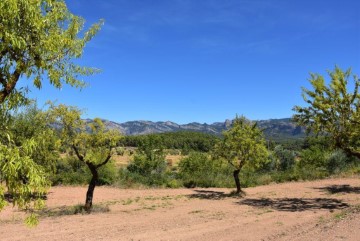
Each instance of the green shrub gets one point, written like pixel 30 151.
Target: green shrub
pixel 108 174
pixel 174 183
pixel 286 158
pixel 148 169
pixel 198 170
pixel 120 151
pixel 70 171
pixel 337 161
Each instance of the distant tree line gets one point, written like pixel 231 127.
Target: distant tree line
pixel 182 140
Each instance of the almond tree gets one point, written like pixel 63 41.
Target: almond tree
pixel 243 144
pixel 333 110
pixel 39 40
pixel 92 143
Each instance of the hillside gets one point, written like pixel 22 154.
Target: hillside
pixel 274 129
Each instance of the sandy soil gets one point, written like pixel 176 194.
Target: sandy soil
pixel 320 210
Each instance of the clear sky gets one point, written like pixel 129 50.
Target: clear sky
pixel 208 60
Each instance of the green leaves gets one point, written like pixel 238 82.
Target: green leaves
pixel 243 144
pixel 40 39
pixel 92 141
pixel 25 180
pixel 333 110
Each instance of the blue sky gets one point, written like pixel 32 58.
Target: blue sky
pixel 206 61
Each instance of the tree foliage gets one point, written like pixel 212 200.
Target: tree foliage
pixel 149 165
pixel 21 169
pixel 91 142
pixel 285 159
pixel 198 169
pixel 243 144
pixel 31 122
pixel 40 39
pixel 333 110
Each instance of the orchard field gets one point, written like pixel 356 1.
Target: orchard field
pixel 326 209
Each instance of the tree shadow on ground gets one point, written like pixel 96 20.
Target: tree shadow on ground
pixel 10 197
pixel 334 189
pixel 214 195
pixel 296 204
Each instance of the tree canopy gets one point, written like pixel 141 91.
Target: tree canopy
pixel 25 146
pixel 333 110
pixel 243 144
pixel 40 39
pixel 92 143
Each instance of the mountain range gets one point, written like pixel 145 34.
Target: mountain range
pixel 275 129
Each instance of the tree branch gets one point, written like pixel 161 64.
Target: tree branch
pixel 104 162
pixel 11 83
pixel 81 157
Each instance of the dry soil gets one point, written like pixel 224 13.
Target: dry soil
pixel 318 210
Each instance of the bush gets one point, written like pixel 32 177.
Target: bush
pixel 198 170
pixel 70 171
pixel 120 151
pixel 108 174
pixel 286 158
pixel 337 161
pixel 149 170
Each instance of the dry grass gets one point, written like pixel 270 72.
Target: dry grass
pixel 124 160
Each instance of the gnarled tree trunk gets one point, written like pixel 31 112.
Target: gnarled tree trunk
pixel 91 188
pixel 95 176
pixel 237 181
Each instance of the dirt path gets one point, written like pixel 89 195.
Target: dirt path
pixel 319 210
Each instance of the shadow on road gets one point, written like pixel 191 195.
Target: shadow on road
pixel 10 198
pixel 296 204
pixel 213 195
pixel 333 189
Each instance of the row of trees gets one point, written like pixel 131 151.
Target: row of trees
pixel 41 39
pixel 181 140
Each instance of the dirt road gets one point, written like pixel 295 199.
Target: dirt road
pixel 319 210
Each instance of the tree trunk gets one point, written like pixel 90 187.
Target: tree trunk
pixel 352 153
pixel 237 181
pixel 91 188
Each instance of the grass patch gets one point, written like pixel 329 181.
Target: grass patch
pixel 344 213
pixel 73 210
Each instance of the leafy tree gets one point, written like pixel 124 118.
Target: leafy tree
pixel 151 147
pixel 243 144
pixel 39 39
pixel 332 110
pixel 91 143
pixel 33 123
pixel 25 179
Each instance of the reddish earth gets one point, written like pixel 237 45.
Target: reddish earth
pixel 319 210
